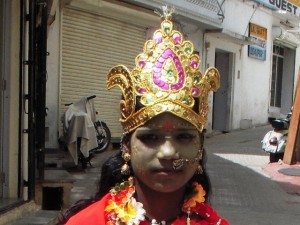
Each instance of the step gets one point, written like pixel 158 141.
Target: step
pixel 58 183
pixel 40 217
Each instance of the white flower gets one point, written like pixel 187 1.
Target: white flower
pixel 140 212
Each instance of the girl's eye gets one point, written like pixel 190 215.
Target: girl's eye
pixel 185 137
pixel 147 138
pixel 151 138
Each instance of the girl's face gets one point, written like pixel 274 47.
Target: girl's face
pixel 155 145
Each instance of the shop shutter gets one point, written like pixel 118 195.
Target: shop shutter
pixel 91 45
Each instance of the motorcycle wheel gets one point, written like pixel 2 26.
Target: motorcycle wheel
pixel 274 157
pixel 83 161
pixel 103 136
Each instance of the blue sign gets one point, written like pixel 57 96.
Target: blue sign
pixel 257 52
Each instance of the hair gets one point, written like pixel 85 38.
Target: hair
pixel 111 175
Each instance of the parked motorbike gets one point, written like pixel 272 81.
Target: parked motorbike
pixel 83 135
pixel 274 141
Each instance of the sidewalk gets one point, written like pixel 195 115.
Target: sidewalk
pixel 287 176
pixel 246 189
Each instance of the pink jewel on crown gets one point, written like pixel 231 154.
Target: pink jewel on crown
pixel 158 37
pixel 157 77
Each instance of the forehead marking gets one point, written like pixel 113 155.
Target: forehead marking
pixel 168 125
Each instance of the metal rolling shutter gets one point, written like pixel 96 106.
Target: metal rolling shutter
pixel 91 45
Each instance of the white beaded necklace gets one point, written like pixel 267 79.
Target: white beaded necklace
pixel 154 222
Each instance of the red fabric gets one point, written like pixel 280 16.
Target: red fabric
pixel 94 215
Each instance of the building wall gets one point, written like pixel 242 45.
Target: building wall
pixel 10 99
pixel 251 77
pixel 255 74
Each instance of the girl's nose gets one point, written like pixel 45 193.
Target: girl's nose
pixel 167 150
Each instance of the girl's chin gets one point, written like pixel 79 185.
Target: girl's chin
pixel 164 181
pixel 166 184
pixel 166 188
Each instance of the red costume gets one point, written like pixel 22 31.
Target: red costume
pixel 95 215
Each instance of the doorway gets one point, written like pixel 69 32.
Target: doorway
pixel 281 97
pixel 222 98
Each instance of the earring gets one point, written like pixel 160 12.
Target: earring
pixel 199 169
pixel 125 169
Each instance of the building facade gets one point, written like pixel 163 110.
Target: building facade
pixel 254 44
pixel 258 71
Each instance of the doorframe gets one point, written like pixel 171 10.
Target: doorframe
pixel 287 83
pixel 2 86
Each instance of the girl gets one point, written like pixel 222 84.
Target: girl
pixel 159 176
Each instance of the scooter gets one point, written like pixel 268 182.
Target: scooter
pixel 274 141
pixel 83 135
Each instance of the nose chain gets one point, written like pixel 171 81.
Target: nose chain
pixel 178 163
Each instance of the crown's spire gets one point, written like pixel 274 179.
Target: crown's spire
pixel 165 12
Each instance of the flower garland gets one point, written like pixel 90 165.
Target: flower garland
pixel 123 209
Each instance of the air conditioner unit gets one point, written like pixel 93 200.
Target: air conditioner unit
pixel 285 37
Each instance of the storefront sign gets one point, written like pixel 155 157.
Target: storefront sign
pixel 290 6
pixel 260 35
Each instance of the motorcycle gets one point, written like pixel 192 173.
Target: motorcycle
pixel 83 135
pixel 274 141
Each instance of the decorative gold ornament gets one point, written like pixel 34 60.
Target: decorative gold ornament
pixel 126 157
pixel 125 170
pixel 178 163
pixel 199 169
pixel 166 79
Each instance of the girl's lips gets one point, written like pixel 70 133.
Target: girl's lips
pixel 167 172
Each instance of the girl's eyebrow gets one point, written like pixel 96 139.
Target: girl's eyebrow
pixel 162 129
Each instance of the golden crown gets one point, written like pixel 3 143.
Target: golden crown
pixel 166 79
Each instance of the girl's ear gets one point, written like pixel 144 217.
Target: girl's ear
pixel 125 142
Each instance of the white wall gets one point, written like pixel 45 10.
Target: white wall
pixel 11 99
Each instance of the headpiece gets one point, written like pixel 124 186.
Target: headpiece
pixel 166 78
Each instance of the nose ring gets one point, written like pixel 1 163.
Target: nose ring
pixel 178 163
